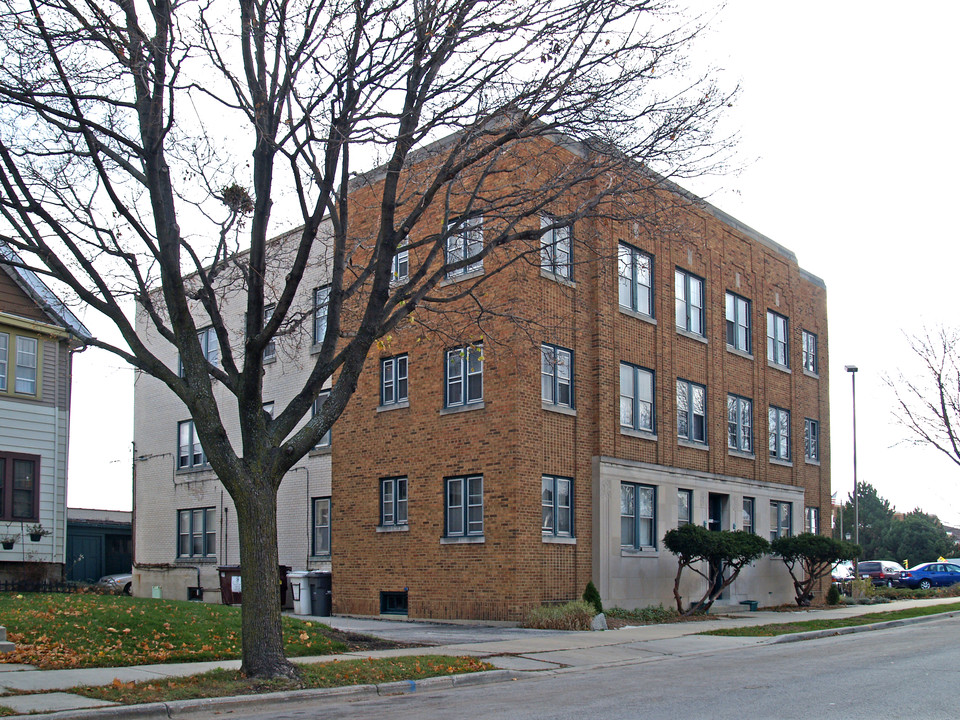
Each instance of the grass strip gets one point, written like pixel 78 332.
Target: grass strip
pixel 832 624
pixel 337 673
pixel 6 712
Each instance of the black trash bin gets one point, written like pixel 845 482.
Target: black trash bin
pixel 321 593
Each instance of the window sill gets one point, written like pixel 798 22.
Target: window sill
pixel 392 528
pixel 472 540
pixel 778 366
pixel 811 461
pixel 639 552
pixel 270 360
pixel 563 280
pixel 180 561
pixel 462 408
pixel 815 376
pixel 692 336
pixel 558 540
pixel 782 463
pixel 460 277
pixel 393 406
pixel 321 451
pixel 737 351
pixel 194 470
pixel 325 557
pixel 641 434
pixel 561 409
pixel 638 315
pixel 692 444
pixel 741 454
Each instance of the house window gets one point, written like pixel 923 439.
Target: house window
pixel 270 349
pixel 810 352
pixel 4 351
pixel 19 487
pixel 691 411
pixel 777 336
pixel 811 439
pixel 780 520
pixel 464 506
pixel 635 269
pixel 811 520
pixel 208 348
pixel 684 507
pixel 321 306
pixel 393 380
pixel 748 524
pixel 321 526
pixel 268 409
pixel 190 454
pixel 638 522
pixel 739 423
pixel 317 404
pixel 636 398
pixel 464 242
pixel 400 267
pixel 556 375
pixel 26 370
pixel 555 249
pixel 464 381
pixel 556 499
pixel 689 290
pixel 738 322
pixel 779 424
pixel 393 501
pixel 197 532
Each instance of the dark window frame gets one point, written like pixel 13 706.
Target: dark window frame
pixel 192 463
pixel 399 384
pixel 688 494
pixel 778 339
pixel 629 258
pixel 811 439
pixel 781 510
pixel 551 241
pixel 744 441
pixel 207 533
pixel 635 541
pixel 7 489
pixel 810 360
pixel 638 403
pixel 749 517
pixel 740 306
pixel 320 318
pixel 466 488
pixel 326 440
pixel 395 484
pixel 779 418
pixel 464 234
pixel 317 529
pixel 556 386
pixel 552 528
pixel 692 314
pixel 464 352
pixel 691 412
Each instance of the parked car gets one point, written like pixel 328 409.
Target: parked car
pixel 928 575
pixel 842 571
pixel 119 582
pixel 881 572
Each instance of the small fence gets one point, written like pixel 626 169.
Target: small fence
pixel 46 586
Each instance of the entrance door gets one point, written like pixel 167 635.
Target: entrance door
pixel 718 511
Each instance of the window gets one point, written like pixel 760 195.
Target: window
pixel 777 346
pixel 691 411
pixel 811 520
pixel 4 350
pixel 268 409
pixel 738 322
pixel 317 404
pixel 190 454
pixel 556 499
pixel 321 526
pixel 779 424
pixel 400 267
pixel 684 507
pixel 635 269
pixel 270 350
pixel 689 289
pixel 197 532
pixel 465 242
pixel 19 487
pixel 321 306
pixel 810 363
pixel 393 380
pixel 636 398
pixel 26 370
pixel 464 381
pixel 780 520
pixel 555 249
pixel 464 506
pixel 556 375
pixel 811 439
pixel 739 423
pixel 393 501
pixel 638 522
pixel 748 506
pixel 208 347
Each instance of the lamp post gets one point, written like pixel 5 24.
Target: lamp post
pixel 852 369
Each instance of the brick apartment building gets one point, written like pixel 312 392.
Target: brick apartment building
pixel 675 371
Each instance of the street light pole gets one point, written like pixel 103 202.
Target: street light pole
pixel 852 369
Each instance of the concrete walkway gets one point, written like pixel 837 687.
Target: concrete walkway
pixel 513 650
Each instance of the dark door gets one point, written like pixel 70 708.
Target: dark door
pixel 716 504
pixel 84 557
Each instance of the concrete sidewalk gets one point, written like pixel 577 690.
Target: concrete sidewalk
pixel 511 649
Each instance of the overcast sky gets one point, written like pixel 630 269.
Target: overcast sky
pixel 848 156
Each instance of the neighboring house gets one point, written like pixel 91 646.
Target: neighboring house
pixel 99 542
pixel 678 374
pixel 38 336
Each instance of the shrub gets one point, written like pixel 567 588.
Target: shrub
pixel 650 615
pixel 592 596
pixel 576 615
pixel 833 595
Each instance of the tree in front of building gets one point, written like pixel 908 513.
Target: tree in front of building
pixel 810 557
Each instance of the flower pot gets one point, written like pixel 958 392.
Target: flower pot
pixel 8 545
pixel 35 537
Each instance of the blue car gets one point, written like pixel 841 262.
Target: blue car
pixel 928 575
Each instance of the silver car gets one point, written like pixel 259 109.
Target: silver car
pixel 118 583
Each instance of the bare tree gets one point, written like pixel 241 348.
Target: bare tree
pixel 145 146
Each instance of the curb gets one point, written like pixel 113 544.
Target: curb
pixel 815 634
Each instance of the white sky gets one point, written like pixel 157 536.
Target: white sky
pixel 848 159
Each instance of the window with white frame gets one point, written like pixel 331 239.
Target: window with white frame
pixel 811 439
pixel 636 398
pixel 738 322
pixel 780 519
pixel 197 532
pixel 270 349
pixel 400 266
pixel 810 363
pixel 321 306
pixel 689 294
pixel 748 524
pixel 556 375
pixel 684 507
pixel 317 404
pixel 779 427
pixel 778 346
pixel 739 423
pixel 556 500
pixel 393 380
pixel 4 353
pixel 464 376
pixel 635 270
pixel 268 409
pixel 209 347
pixel 19 487
pixel 556 252
pixel 190 454
pixel 464 242
pixel 464 506
pixel 691 411
pixel 638 521
pixel 26 369
pixel 393 501
pixel 811 520
pixel 320 542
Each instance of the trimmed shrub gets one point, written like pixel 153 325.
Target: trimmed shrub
pixel 833 595
pixel 576 615
pixel 650 615
pixel 592 596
